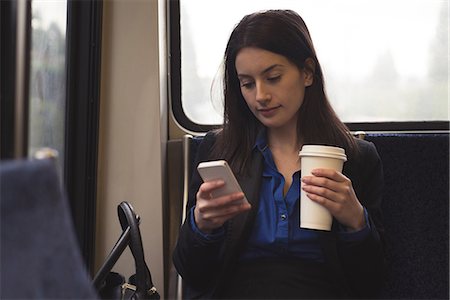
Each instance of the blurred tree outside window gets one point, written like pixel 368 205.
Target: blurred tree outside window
pixel 48 77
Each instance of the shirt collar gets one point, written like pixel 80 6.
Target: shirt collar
pixel 261 141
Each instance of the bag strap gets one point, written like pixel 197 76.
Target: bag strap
pixel 112 258
pixel 129 220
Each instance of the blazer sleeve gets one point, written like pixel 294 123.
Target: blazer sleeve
pixel 363 262
pixel 197 259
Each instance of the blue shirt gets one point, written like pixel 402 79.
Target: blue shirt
pixel 276 231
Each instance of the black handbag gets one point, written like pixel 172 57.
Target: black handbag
pixel 112 285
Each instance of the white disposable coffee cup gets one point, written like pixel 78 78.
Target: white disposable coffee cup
pixel 312 214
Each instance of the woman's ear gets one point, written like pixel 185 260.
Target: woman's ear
pixel 309 70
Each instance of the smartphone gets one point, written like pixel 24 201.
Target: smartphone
pixel 219 169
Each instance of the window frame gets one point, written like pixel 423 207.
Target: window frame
pixel 175 83
pixel 175 71
pixel 8 73
pixel 14 104
pixel 84 32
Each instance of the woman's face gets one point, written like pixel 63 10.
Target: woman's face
pixel 272 86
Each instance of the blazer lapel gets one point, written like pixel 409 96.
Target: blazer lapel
pixel 240 227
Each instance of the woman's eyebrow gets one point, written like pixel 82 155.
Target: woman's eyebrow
pixel 266 70
pixel 270 68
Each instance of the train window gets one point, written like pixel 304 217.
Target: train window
pixel 51 54
pixel 384 61
pixel 47 90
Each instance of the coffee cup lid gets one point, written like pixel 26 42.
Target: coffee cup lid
pixel 323 151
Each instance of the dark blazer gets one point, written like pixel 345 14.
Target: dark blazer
pixel 206 265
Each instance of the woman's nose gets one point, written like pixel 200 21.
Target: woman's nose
pixel 262 94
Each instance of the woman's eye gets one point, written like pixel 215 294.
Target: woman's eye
pixel 247 85
pixel 274 78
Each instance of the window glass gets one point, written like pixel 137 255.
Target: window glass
pixel 48 76
pixel 383 60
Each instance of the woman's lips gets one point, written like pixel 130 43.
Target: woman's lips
pixel 268 112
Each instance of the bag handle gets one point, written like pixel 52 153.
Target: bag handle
pixel 130 221
pixel 112 258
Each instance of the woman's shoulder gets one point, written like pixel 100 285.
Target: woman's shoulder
pixel 207 144
pixel 363 164
pixel 211 135
pixel 362 143
pixel 367 155
pixel 210 138
pixel 366 148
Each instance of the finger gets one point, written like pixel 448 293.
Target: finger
pixel 207 187
pixel 325 202
pixel 329 173
pixel 322 182
pixel 224 212
pixel 216 220
pixel 231 199
pixel 323 192
pixel 217 204
pixel 229 211
pixel 212 213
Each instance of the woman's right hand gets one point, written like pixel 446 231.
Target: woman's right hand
pixel 211 213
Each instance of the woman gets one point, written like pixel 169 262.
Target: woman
pixel 274 104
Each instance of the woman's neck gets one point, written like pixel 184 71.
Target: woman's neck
pixel 285 145
pixel 284 140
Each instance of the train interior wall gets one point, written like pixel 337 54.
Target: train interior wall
pixel 133 129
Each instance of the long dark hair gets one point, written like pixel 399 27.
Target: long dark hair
pixel 283 32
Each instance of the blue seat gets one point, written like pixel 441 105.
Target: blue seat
pixel 40 256
pixel 416 214
pixel 415 211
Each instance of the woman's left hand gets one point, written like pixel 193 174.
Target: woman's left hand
pixel 334 191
